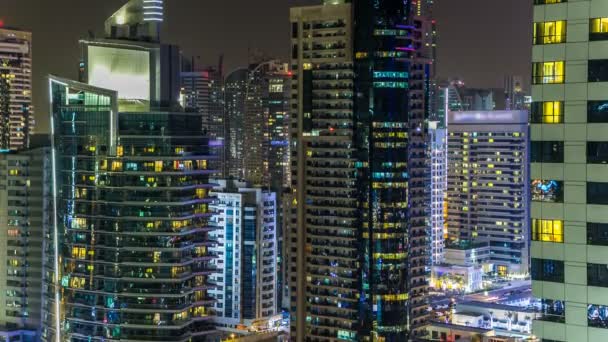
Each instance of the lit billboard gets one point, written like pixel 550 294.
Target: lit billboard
pixel 126 71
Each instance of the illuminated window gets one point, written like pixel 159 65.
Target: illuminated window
pixel 402 85
pixel 598 29
pixel 119 150
pixel 548 72
pixel 550 112
pixel 548 230
pixel 79 252
pixel 116 166
pixel 548 2
pixel 550 32
pixel 158 166
pixel 79 223
pixel 275 88
pixel 13 172
pixel 77 283
pixel 361 55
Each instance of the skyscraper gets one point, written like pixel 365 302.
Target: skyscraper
pixel 487 188
pixel 129 242
pixel 266 125
pixel 438 168
pixel 24 215
pixel 359 258
pixel 235 93
pixel 202 92
pixel 16 112
pixel 514 93
pixel 247 252
pixel 568 169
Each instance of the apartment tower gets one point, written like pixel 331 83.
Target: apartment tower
pixel 357 246
pixel 16 111
pixel 569 170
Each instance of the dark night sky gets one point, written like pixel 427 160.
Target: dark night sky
pixel 479 40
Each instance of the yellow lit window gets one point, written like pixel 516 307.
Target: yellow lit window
pixel 116 166
pixel 158 166
pixel 119 151
pixel 548 230
pixel 79 252
pixel 550 112
pixel 77 283
pixel 201 193
pixel 360 55
pixel 13 172
pixel 307 66
pixel 550 32
pixel 548 72
pixel 79 223
pixel 598 28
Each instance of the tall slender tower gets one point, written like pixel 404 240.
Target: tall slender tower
pixel 359 218
pixel 266 125
pixel 235 93
pixel 16 112
pixel 569 171
pixel 129 241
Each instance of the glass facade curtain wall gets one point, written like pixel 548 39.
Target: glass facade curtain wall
pixel 131 220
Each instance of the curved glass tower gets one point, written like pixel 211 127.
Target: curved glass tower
pixel 130 233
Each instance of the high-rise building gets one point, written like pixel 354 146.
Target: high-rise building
pixel 247 252
pixel 438 165
pixel 131 219
pixel 487 185
pixel 266 151
pixel 447 98
pixel 235 93
pixel 569 169
pixel 16 111
pixel 24 218
pixel 515 97
pixel 129 241
pixel 359 255
pixel 202 91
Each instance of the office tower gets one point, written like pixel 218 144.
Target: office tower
pixel 131 224
pixel 129 242
pixel 24 217
pixel 568 169
pixel 235 93
pixel 16 111
pixel 359 251
pixel 202 91
pixel 247 251
pixel 514 93
pixel 266 152
pixel 438 164
pixel 487 185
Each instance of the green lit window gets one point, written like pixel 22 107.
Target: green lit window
pixel 390 74
pixel 548 72
pixel 390 85
pixel 550 32
pixel 598 29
